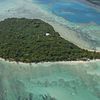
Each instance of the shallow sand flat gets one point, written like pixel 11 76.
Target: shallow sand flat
pixel 77 81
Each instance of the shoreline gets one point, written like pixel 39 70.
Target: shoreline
pixel 51 62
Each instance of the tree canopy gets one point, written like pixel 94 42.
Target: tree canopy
pixel 33 40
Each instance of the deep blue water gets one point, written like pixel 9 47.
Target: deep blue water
pixel 45 1
pixel 73 11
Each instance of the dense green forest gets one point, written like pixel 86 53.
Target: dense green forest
pixel 33 40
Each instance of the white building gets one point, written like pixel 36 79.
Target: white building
pixel 47 34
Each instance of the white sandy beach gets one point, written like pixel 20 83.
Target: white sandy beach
pixel 56 62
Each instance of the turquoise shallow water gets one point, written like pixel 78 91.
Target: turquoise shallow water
pixel 61 81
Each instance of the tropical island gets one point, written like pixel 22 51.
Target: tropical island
pixel 33 40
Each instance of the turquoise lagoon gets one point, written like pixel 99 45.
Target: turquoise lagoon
pixel 62 81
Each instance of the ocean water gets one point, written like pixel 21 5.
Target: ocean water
pixel 76 12
pixel 72 81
